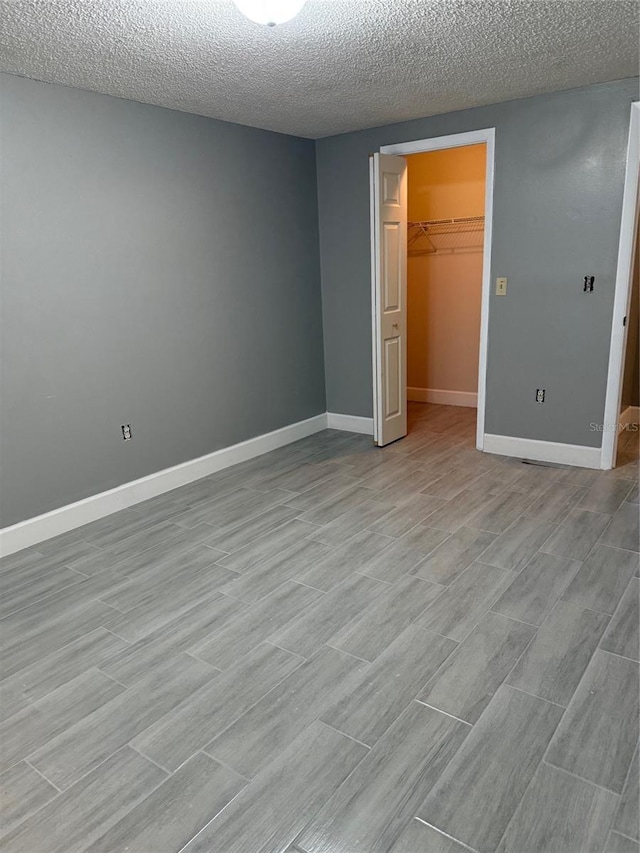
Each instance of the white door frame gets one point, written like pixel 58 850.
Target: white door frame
pixel 458 140
pixel 622 295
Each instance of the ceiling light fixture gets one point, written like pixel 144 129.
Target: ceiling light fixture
pixel 269 12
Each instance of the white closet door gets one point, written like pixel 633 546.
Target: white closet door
pixel 389 285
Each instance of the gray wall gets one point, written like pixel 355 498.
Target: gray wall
pixel 560 162
pixel 158 269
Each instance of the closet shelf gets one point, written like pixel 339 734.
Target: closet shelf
pixel 446 235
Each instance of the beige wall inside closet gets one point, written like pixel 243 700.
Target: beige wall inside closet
pixel 444 288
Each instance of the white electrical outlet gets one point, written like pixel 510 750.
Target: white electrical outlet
pixel 501 287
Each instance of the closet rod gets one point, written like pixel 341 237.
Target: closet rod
pixel 430 228
pixel 460 220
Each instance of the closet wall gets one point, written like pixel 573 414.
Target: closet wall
pixel 444 287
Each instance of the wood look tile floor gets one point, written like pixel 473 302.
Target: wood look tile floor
pixel 333 648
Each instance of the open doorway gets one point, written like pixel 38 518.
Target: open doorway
pixel 431 221
pixel 445 241
pixel 629 422
pixel 620 438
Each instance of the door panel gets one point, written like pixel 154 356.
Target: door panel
pixel 391 184
pixel 392 377
pixel 389 292
pixel 392 271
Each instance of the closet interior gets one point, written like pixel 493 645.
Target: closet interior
pixel 445 241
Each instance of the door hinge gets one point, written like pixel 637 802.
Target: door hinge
pixel 624 322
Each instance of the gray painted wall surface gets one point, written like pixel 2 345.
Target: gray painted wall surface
pixel 560 162
pixel 158 269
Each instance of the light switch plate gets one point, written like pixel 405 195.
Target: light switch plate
pixel 501 287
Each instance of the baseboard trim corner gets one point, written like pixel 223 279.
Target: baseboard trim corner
pixel 543 451
pixel 631 415
pixel 350 423
pixel 66 518
pixel 443 398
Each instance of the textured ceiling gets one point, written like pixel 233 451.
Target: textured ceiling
pixel 340 65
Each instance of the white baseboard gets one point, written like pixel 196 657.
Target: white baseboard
pixel 66 518
pixel 350 423
pixel 631 415
pixel 445 398
pixel 543 451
